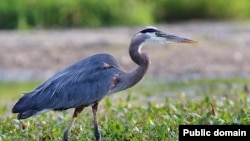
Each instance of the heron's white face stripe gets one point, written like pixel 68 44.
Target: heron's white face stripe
pixel 155 39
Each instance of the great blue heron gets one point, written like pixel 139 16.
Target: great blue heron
pixel 88 81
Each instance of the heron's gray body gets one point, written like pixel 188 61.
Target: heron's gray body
pixel 80 84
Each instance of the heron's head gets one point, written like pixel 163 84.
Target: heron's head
pixel 153 35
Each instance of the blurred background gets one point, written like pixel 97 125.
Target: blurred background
pixel 39 38
pixel 47 14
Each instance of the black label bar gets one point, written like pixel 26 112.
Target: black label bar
pixel 198 132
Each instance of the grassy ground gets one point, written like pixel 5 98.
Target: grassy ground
pixel 152 110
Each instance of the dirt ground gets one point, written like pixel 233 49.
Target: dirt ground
pixel 223 50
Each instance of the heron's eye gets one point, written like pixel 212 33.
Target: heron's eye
pixel 157 33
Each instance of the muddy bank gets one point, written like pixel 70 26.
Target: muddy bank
pixel 223 50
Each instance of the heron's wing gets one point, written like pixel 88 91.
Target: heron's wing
pixel 81 84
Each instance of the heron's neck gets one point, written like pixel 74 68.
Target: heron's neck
pixel 141 59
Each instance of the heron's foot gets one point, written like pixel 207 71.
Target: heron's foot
pixel 97 136
pixel 66 135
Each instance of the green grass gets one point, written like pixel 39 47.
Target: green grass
pixel 32 14
pixel 152 110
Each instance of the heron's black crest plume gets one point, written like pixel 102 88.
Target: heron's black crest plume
pixel 149 30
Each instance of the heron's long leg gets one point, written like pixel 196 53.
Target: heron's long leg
pixel 77 111
pixel 96 131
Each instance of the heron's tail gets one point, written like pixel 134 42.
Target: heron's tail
pixel 25 107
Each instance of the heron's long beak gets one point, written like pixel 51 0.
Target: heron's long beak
pixel 176 39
